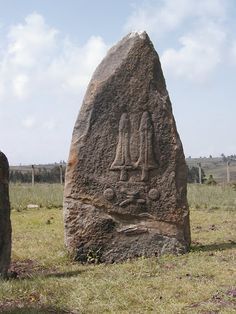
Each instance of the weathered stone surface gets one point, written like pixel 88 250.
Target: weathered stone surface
pixel 5 223
pixel 125 190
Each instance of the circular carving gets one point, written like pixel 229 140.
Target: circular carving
pixel 109 194
pixel 153 194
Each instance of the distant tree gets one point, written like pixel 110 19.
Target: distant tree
pixel 42 175
pixel 210 180
pixel 224 158
pixel 231 158
pixel 193 175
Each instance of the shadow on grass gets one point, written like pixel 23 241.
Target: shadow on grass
pixel 46 274
pixel 213 247
pixel 29 269
pixel 34 310
pixel 67 274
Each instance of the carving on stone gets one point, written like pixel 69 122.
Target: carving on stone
pixel 133 230
pixel 153 194
pixel 132 198
pixel 122 160
pixel 109 194
pixel 146 159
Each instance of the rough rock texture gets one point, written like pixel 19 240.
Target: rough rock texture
pixel 125 191
pixel 5 223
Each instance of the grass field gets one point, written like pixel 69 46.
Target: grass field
pixel 202 281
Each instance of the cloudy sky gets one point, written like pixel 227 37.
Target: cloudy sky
pixel 49 50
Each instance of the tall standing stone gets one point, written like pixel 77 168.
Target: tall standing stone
pixel 5 223
pixel 125 189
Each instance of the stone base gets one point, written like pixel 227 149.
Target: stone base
pixel 108 238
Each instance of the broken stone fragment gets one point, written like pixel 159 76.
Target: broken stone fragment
pixel 125 188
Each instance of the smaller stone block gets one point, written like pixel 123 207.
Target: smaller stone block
pixel 5 223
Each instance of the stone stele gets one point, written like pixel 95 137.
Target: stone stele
pixel 5 223
pixel 125 189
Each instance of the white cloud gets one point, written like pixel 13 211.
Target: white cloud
pixel 168 15
pixel 29 122
pixel 39 60
pixel 43 75
pixel 73 68
pixel 31 42
pixel 155 19
pixel 50 124
pixel 200 52
pixel 20 83
pixel 233 52
pixel 2 88
pixel 196 32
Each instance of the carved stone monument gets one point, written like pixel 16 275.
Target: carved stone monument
pixel 5 223
pixel 125 189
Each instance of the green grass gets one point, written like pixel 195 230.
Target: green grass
pixel 199 282
pixel 211 197
pixel 43 195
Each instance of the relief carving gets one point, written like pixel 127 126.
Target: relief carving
pixel 146 160
pixel 122 160
pixel 109 194
pixel 132 198
pixel 153 194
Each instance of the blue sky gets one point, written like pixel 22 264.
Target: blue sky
pixel 49 50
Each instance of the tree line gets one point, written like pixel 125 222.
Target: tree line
pixel 193 176
pixel 41 175
pixel 53 175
